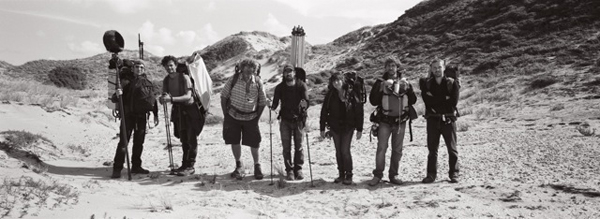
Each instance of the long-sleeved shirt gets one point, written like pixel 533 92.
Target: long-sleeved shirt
pixel 290 97
pixel 442 99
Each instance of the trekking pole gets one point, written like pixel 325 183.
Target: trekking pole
pixel 271 142
pixel 309 165
pixel 168 130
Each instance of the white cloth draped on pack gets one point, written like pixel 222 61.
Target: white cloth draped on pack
pixel 202 82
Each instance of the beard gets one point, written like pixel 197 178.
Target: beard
pixel 391 75
pixel 289 79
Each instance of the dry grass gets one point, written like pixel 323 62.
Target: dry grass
pixel 78 149
pixel 557 107
pixel 26 194
pixel 462 126
pixel 487 112
pixel 47 96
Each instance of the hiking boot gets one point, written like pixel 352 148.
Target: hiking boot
pixel 116 174
pixel 236 173
pixel 375 181
pixel 139 170
pixel 299 175
pixel 257 172
pixel 396 180
pixel 175 171
pixel 290 176
pixel 339 179
pixel 428 179
pixel 454 179
pixel 347 180
pixel 187 172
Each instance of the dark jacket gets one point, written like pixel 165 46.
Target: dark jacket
pixel 437 104
pixel 127 91
pixel 376 94
pixel 340 116
pixel 290 97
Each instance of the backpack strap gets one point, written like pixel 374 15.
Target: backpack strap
pixel 449 84
pixel 236 75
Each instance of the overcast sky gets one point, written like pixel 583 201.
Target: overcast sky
pixel 70 29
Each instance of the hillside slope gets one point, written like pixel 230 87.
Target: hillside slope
pixel 94 67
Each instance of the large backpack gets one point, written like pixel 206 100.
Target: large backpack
pixel 382 112
pixel 452 71
pixel 183 68
pixel 236 76
pixel 392 98
pixel 142 96
pixel 356 84
pixel 300 74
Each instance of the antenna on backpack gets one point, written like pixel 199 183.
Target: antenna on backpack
pixel 141 47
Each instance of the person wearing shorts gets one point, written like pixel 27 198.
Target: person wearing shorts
pixel 243 101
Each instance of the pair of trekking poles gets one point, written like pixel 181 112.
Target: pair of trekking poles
pixel 169 145
pixel 271 145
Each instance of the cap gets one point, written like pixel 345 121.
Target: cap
pixel 138 62
pixel 287 68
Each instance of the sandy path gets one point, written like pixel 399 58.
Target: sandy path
pixel 510 169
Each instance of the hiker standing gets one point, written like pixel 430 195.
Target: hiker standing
pixel 342 112
pixel 243 101
pixel 138 99
pixel 293 94
pixel 186 118
pixel 440 94
pixel 393 96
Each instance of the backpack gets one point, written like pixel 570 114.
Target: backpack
pixel 236 76
pixel 300 74
pixel 381 113
pixel 356 84
pixel 142 96
pixel 453 72
pixel 182 68
pixel 392 97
